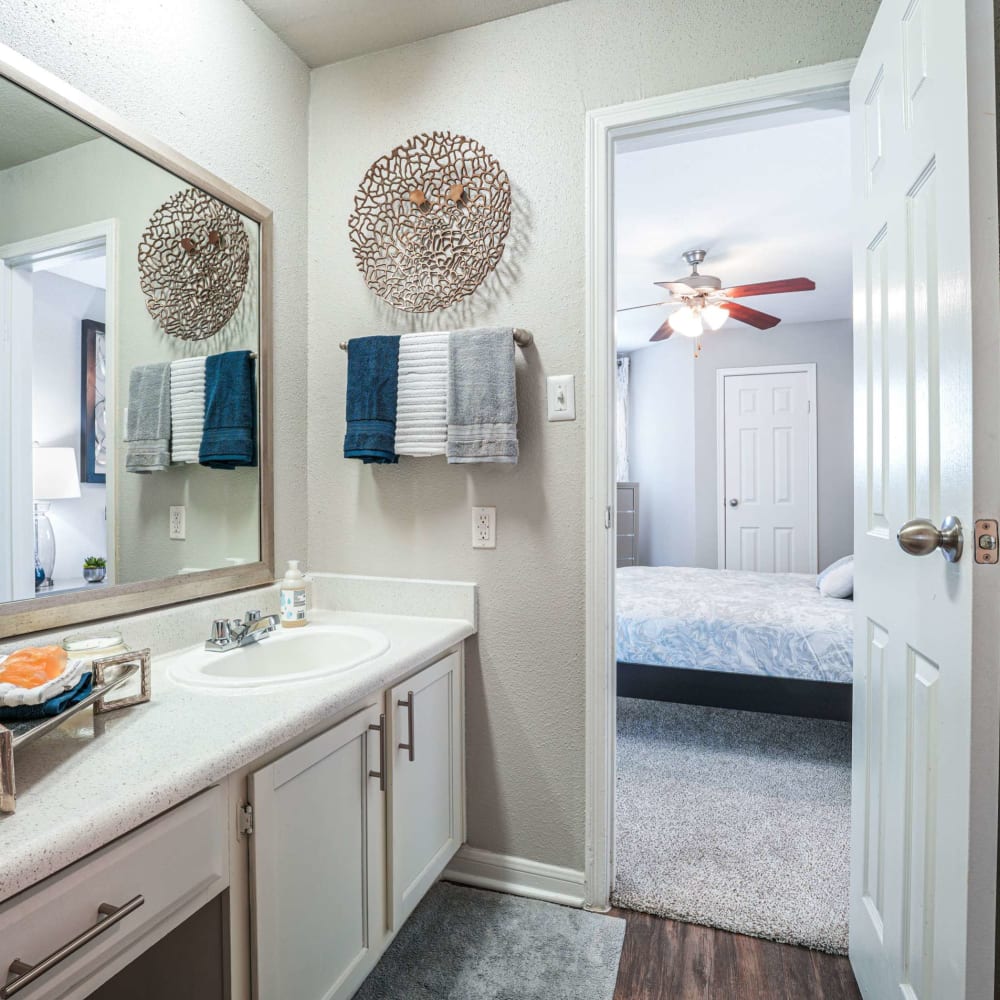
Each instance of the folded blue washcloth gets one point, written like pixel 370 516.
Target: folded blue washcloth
pixel 55 705
pixel 372 370
pixel 229 436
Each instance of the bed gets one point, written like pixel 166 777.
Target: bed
pixel 784 646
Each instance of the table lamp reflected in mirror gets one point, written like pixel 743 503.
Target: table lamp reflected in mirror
pixel 54 476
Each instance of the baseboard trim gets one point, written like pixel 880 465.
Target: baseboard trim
pixel 518 876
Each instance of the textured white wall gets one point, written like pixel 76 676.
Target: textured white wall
pixel 208 78
pixel 522 87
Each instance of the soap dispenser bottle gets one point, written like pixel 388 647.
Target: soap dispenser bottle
pixel 294 596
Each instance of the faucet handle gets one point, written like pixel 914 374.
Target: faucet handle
pixel 220 630
pixel 251 617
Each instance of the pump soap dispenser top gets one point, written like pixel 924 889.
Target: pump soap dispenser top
pixel 294 590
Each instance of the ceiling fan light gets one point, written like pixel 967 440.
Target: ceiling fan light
pixel 686 322
pixel 714 316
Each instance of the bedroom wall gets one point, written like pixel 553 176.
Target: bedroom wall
pixel 673 435
pixel 521 86
pixel 662 454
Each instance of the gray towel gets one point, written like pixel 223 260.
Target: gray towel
pixel 482 400
pixel 148 430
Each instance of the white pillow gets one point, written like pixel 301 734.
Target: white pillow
pixel 837 580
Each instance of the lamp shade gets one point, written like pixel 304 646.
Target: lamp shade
pixel 54 475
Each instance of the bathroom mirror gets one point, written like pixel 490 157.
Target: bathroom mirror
pixel 134 353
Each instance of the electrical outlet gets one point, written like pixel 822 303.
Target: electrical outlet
pixel 178 523
pixel 484 527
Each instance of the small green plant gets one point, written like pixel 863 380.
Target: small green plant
pixel 95 562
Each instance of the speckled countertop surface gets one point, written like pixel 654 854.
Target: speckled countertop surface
pixel 78 790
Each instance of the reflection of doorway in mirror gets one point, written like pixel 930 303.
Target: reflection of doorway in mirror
pixel 58 363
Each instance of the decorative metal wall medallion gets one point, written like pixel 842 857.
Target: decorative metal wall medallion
pixel 430 220
pixel 194 258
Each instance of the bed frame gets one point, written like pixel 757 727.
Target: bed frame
pixel 748 692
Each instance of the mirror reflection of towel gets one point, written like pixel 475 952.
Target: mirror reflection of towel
pixel 147 431
pixel 229 435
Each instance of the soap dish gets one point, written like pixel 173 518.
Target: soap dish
pixel 110 673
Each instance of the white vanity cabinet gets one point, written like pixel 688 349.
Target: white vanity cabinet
pixel 317 868
pixel 349 833
pixel 426 804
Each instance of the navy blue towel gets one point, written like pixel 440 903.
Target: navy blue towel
pixel 229 438
pixel 55 705
pixel 372 368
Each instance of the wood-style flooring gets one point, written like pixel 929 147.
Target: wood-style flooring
pixel 668 960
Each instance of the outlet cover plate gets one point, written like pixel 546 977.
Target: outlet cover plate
pixel 561 395
pixel 484 527
pixel 178 524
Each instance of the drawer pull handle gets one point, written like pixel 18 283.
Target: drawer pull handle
pixel 408 705
pixel 21 974
pixel 380 773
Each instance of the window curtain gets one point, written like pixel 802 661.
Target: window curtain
pixel 621 419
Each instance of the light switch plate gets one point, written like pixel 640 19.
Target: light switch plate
pixel 561 393
pixel 484 527
pixel 178 524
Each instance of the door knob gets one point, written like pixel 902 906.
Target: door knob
pixel 734 502
pixel 920 538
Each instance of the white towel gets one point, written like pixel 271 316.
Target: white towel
pixel 422 394
pixel 187 409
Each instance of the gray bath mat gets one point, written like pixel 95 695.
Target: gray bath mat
pixel 468 944
pixel 738 820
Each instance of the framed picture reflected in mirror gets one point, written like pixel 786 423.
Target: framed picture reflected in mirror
pixel 93 419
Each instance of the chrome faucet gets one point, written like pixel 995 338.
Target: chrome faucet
pixel 232 633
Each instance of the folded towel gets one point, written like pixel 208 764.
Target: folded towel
pixel 187 409
pixel 53 706
pixel 372 374
pixel 148 428
pixel 229 437
pixel 482 399
pixel 422 397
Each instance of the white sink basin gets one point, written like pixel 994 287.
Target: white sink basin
pixel 283 657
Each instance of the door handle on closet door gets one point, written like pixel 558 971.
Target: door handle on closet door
pixel 734 502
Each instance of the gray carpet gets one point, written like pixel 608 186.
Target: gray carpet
pixel 468 944
pixel 738 820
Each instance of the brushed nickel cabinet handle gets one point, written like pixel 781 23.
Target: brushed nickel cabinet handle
pixel 408 705
pixel 21 974
pixel 380 773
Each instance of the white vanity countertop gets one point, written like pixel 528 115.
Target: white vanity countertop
pixel 73 798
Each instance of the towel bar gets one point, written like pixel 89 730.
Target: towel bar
pixel 523 338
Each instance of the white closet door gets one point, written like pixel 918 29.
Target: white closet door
pixel 769 471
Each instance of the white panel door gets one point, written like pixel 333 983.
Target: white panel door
pixel 318 864
pixel 923 893
pixel 769 470
pixel 427 811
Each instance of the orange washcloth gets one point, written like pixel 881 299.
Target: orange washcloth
pixel 31 667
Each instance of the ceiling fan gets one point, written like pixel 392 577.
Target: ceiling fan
pixel 705 303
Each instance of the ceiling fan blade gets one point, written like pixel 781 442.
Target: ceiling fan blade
pixel 648 305
pixel 752 317
pixel 665 331
pixel 676 287
pixel 770 287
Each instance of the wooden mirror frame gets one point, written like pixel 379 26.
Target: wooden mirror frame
pixel 38 613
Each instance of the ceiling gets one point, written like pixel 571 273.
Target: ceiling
pixel 322 31
pixel 766 204
pixel 30 128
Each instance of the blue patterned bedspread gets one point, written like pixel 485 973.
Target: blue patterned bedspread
pixel 771 624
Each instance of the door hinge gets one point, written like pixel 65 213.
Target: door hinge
pixel 607 517
pixel 245 820
pixel 987 540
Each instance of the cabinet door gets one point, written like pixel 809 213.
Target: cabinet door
pixel 427 806
pixel 318 864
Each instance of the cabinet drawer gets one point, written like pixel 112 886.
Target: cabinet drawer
pixel 626 498
pixel 626 522
pixel 626 546
pixel 176 863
